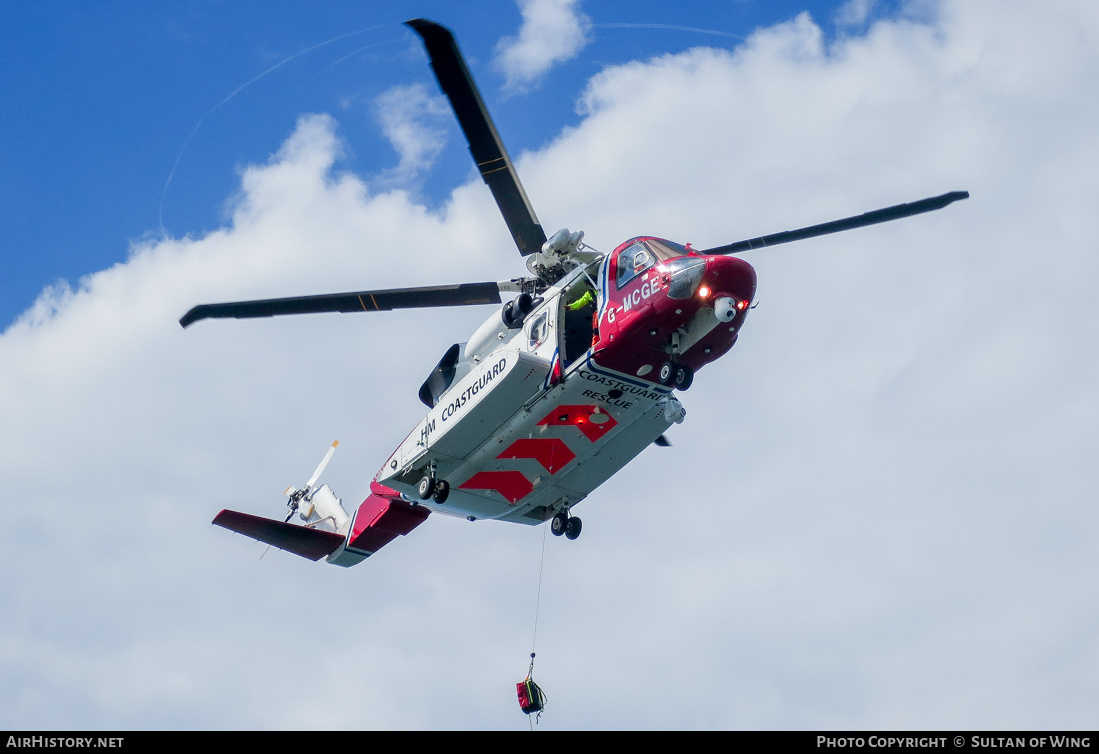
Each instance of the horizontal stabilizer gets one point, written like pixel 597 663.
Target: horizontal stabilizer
pixel 309 543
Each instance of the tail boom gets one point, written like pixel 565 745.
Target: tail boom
pixel 380 519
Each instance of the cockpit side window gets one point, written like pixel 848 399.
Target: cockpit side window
pixel 632 261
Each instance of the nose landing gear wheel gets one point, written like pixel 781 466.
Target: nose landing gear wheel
pixel 684 376
pixel 425 487
pixel 667 373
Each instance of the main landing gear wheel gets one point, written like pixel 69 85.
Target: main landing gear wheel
pixel 429 487
pixel 442 491
pixel 559 524
pixel 572 527
pixel 565 524
pixel 684 376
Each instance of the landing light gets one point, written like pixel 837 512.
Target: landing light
pixel 703 292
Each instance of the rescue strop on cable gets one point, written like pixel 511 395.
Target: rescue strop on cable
pixel 531 697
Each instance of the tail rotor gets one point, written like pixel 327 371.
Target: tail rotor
pixel 295 497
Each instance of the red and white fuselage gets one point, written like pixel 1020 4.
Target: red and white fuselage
pixel 554 393
pixel 541 414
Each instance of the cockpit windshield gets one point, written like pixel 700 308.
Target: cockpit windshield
pixel 643 254
pixel 665 249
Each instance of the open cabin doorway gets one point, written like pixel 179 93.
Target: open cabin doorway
pixel 579 304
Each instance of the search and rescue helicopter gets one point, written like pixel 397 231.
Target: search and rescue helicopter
pixel 558 390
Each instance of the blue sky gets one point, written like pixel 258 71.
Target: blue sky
pixel 878 514
pixel 100 101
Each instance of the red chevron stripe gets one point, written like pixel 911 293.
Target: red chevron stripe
pixel 593 421
pixel 552 453
pixel 511 484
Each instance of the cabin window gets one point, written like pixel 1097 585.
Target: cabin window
pixel 538 329
pixel 632 262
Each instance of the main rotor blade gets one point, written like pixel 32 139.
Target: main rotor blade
pixel 895 212
pixel 484 141
pixel 362 301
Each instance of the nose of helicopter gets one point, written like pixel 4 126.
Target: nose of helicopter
pixel 728 276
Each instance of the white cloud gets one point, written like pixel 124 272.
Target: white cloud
pixel 404 113
pixel 553 31
pixel 854 12
pixel 878 514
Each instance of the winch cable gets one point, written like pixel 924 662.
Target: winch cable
pixel 538 597
pixel 537 604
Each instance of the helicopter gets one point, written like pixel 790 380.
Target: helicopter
pixel 577 372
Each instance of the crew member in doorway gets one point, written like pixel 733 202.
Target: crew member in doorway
pixel 580 322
